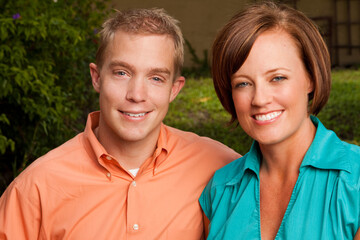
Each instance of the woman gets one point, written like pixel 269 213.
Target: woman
pixel 271 71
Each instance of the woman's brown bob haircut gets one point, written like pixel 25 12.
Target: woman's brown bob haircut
pixel 235 40
pixel 142 21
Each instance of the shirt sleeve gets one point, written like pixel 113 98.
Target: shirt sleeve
pixel 205 200
pixel 19 213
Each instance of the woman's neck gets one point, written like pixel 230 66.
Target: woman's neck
pixel 283 159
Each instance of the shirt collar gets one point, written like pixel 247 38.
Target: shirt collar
pixel 160 152
pixel 250 161
pixel 94 147
pixel 326 151
pixel 162 145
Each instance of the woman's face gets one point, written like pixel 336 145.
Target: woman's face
pixel 270 90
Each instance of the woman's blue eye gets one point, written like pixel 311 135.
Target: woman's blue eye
pixel 241 85
pixel 279 78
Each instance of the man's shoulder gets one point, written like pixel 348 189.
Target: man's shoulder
pixel 53 161
pixel 187 137
pixel 183 140
pixel 181 135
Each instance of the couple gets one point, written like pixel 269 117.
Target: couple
pixel 129 176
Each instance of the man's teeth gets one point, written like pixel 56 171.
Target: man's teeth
pixel 134 114
pixel 267 117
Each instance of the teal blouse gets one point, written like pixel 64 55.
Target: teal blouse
pixel 325 202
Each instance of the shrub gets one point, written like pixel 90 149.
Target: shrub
pixel 45 87
pixel 200 67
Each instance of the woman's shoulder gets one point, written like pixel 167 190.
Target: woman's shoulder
pixel 351 153
pixel 328 151
pixel 352 150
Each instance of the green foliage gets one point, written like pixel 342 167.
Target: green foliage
pixel 342 112
pixel 200 67
pixel 45 86
pixel 198 109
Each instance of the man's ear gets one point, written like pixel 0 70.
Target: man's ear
pixel 176 87
pixel 95 76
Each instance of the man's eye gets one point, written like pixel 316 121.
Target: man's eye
pixel 157 79
pixel 121 73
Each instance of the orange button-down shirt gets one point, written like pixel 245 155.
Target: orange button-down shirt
pixel 79 191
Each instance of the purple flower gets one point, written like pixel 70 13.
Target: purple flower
pixel 16 16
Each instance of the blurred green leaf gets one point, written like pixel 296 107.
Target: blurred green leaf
pixel 45 87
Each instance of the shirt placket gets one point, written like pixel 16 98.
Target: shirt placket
pixel 134 226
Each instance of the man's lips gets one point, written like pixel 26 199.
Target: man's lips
pixel 130 114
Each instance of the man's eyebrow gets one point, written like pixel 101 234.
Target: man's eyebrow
pixel 117 63
pixel 155 70
pixel 160 70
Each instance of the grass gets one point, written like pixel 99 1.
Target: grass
pixel 342 112
pixel 198 109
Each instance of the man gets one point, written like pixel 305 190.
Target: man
pixel 127 176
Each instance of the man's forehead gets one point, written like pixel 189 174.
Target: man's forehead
pixel 115 51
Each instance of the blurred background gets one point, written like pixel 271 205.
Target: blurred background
pixel 45 86
pixel 339 21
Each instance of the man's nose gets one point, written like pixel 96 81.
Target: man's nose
pixel 136 90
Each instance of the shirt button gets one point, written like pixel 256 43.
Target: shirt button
pixel 136 227
pixel 109 158
pixel 133 183
pixel 108 174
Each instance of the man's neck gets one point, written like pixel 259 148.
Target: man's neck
pixel 129 154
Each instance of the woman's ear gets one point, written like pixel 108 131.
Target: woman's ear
pixel 310 86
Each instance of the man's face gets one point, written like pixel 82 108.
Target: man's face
pixel 136 84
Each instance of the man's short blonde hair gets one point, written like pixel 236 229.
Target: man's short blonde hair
pixel 142 21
